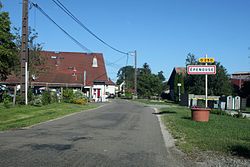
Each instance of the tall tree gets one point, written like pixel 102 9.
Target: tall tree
pixel 161 76
pixel 126 74
pixel 7 47
pixel 148 84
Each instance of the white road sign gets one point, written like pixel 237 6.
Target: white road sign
pixel 201 69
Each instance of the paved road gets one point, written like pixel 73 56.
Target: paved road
pixel 120 133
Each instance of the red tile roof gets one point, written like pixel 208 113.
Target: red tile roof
pixel 69 67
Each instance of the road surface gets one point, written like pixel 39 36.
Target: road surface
pixel 120 133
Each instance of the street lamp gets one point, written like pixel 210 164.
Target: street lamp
pixel 179 88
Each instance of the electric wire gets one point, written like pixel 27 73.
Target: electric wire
pixel 60 5
pixel 71 37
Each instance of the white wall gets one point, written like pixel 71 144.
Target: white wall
pixel 110 89
pixel 102 89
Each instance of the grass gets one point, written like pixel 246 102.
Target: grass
pixel 223 134
pixel 23 116
pixel 247 110
pixel 154 102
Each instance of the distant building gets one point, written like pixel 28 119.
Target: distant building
pixel 176 70
pixel 85 71
pixel 239 78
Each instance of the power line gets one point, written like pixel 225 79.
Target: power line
pixel 72 38
pixel 60 5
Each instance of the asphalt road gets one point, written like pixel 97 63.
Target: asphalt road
pixel 120 133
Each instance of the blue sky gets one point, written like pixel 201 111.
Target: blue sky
pixel 162 31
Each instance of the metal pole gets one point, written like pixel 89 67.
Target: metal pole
pixel 206 87
pixel 24 50
pixel 179 93
pixel 26 83
pixel 135 74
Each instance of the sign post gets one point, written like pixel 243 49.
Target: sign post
pixel 206 87
pixel 203 70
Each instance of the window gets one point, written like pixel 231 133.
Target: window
pixel 94 64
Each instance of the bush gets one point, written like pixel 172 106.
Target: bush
pixel 6 100
pixel 54 98
pixel 81 101
pixel 218 112
pixel 46 98
pixel 37 101
pixel 68 95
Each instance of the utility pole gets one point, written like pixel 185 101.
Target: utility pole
pixel 24 52
pixel 134 53
pixel 135 75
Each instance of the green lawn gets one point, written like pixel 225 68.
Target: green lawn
pixel 22 116
pixel 222 134
pixel 154 102
pixel 247 110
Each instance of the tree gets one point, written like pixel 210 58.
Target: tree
pixel 161 76
pixel 7 47
pixel 148 84
pixel 35 59
pixel 126 74
pixel 218 84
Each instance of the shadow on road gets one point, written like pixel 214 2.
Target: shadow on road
pixel 165 112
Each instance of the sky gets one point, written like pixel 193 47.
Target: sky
pixel 162 32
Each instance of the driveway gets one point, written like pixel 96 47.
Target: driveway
pixel 120 133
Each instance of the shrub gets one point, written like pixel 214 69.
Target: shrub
pixel 218 112
pixel 68 95
pixel 54 98
pixel 6 100
pixel 81 101
pixel 37 101
pixel 46 98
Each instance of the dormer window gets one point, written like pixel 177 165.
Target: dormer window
pixel 94 64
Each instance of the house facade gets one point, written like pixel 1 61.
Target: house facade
pixel 84 71
pixel 239 78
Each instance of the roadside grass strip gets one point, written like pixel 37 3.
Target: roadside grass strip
pixel 222 134
pixel 23 116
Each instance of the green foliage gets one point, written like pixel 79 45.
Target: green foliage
pixel 35 59
pixel 161 76
pixel 37 101
pixel 81 101
pixel 126 74
pixel 68 95
pixel 77 97
pixel 148 84
pixel 7 47
pixel 46 98
pixel 6 100
pixel 218 84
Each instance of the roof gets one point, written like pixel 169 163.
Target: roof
pixel 72 68
pixel 176 70
pixel 180 70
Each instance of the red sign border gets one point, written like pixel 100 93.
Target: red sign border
pixel 198 73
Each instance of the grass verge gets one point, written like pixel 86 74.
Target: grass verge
pixel 23 116
pixel 154 102
pixel 222 134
